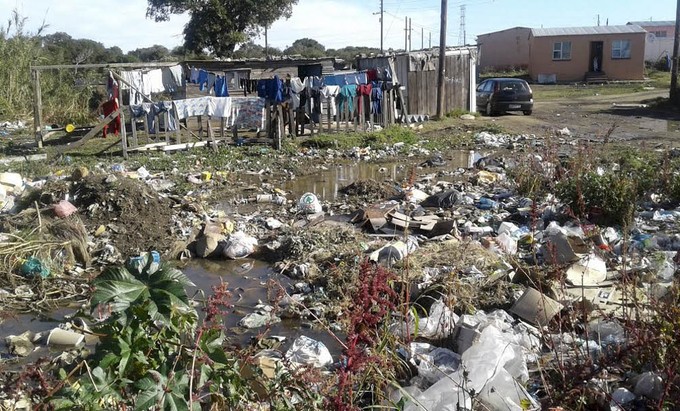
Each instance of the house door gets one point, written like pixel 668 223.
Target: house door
pixel 596 54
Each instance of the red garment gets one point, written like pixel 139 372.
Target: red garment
pixel 364 90
pixel 108 108
pixel 372 75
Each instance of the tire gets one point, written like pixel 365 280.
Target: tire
pixel 489 110
pixel 527 112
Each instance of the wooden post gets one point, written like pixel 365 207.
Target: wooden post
pixel 123 132
pixel 328 112
pixel 37 108
pixel 268 119
pixel 357 111
pixel 178 133
pixel 223 124
pixel 291 120
pixel 200 127
pixel 442 62
pixel 166 122
pixel 211 136
pixel 133 122
pixel 279 126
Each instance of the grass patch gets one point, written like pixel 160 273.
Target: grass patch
pixel 381 139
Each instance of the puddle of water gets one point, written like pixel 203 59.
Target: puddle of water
pixel 247 280
pixel 327 183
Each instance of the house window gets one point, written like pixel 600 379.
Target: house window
pixel 621 49
pixel 562 50
pixel 661 34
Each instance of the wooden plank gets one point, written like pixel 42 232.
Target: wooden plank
pixel 166 132
pixel 356 111
pixel 200 127
pixel 108 65
pixel 95 130
pixel 37 109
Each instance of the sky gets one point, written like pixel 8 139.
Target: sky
pixel 337 23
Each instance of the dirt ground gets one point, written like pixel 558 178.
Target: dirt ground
pixel 591 117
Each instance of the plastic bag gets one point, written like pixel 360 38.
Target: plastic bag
pixel 239 245
pixel 445 199
pixel 64 209
pixel 145 262
pixel 307 351
pixel 309 204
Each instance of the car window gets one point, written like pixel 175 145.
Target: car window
pixel 514 86
pixel 489 86
pixel 482 85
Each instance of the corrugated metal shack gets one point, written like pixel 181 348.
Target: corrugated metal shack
pixel 417 71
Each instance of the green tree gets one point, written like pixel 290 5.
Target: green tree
pixel 349 54
pixel 306 47
pixel 153 53
pixel 218 26
pixel 250 50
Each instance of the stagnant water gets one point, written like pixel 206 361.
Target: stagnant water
pixel 248 279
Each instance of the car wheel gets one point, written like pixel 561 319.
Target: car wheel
pixel 527 112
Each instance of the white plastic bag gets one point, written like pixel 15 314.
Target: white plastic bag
pixel 307 351
pixel 309 204
pixel 239 245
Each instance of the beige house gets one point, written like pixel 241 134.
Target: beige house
pixel 569 54
pixel 504 50
pixel 587 53
pixel 659 40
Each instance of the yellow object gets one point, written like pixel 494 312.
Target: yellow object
pixel 206 176
pixel 70 128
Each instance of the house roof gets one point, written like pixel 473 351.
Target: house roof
pixel 503 31
pixel 583 31
pixel 653 23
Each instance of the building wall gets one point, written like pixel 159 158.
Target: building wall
pixel 503 50
pixel 658 47
pixel 541 57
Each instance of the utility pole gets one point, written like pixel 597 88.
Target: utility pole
pixel 430 39
pixel 382 25
pixel 442 57
pixel 406 34
pixel 266 44
pixel 422 38
pixel 410 34
pixel 461 32
pixel 598 19
pixel 675 98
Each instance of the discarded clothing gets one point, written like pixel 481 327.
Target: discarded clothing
pixel 328 94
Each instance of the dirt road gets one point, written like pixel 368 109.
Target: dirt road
pixel 592 116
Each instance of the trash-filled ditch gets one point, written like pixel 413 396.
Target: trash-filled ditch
pixel 531 275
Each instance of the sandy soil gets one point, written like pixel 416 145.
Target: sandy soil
pixel 591 117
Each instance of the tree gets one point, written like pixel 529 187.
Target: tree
pixel 349 54
pixel 220 25
pixel 250 50
pixel 306 47
pixel 153 53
